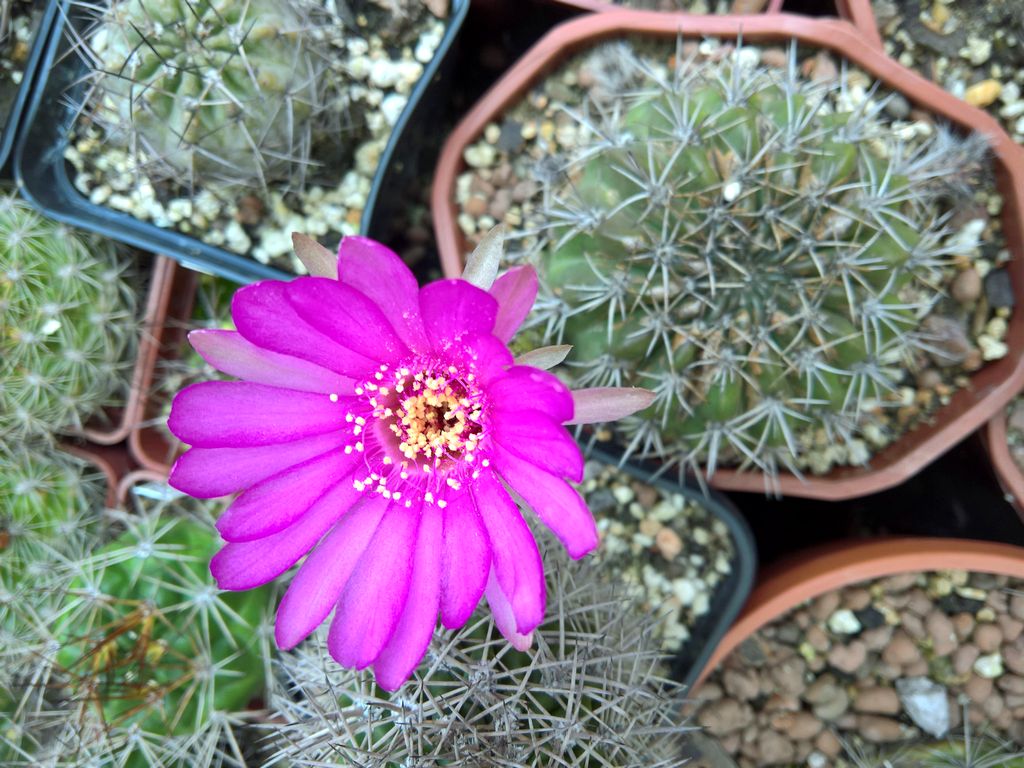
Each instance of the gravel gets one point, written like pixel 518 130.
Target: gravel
pixel 898 683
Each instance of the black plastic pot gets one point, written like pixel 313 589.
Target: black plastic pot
pixel 728 599
pixel 42 172
pixel 12 120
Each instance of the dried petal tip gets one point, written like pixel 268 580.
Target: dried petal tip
pixel 608 403
pixel 544 358
pixel 482 264
pixel 317 260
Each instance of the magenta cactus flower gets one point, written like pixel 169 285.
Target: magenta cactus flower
pixel 385 429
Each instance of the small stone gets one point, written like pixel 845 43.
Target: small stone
pixel 925 702
pixel 844 622
pixel 828 744
pixel 669 543
pixel 988 638
pixel 999 292
pixel 725 716
pixel 978 688
pixel 742 684
pixel 963 625
pixel 877 700
pixel 966 287
pixel 989 666
pixel 817 638
pixel 897 107
pixel 774 748
pixel 856 599
pixel 964 658
pixel 789 676
pixel 870 618
pixel 437 7
pixel 880 730
pixel 901 651
pixel 947 340
pixel 475 206
pixel 984 93
pixel 823 607
pixel 500 204
pixel 940 630
pixel 250 210
pixel 798 726
pixel 876 639
pixel 480 156
pixel 1010 627
pixel 848 658
pixel 1016 606
pixel 833 706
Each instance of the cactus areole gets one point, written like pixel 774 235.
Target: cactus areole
pixel 760 251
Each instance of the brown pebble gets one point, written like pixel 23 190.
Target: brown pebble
pixel 828 744
pixel 978 688
pixel 774 748
pixel 901 582
pixel 725 716
pixel 917 669
pixel 825 606
pixel 797 725
pixel 1011 684
pixel 1013 657
pixel 876 639
pixel 913 625
pixel 250 210
pixel 877 700
pixel 856 599
pixel 984 93
pixel 901 650
pixel 778 703
pixel 1010 627
pixel 1016 606
pixel 742 684
pixel 988 638
pixel 475 206
pixel 669 543
pixel 877 729
pixel 963 625
pixel 748 6
pixel 710 691
pixel 964 658
pixel 789 676
pixel 929 379
pixel 848 658
pixel 966 287
pixel 775 57
pixel 993 705
pixel 817 638
pixel 500 204
pixel 942 634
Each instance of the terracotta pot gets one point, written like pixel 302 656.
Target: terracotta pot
pixel 171 298
pixel 990 389
pixel 788 584
pixel 112 460
pixel 1011 479
pixel 121 420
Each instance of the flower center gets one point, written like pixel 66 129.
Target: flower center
pixel 428 424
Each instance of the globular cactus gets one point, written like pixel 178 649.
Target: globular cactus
pixel 67 324
pixel 758 249
pixel 213 89
pixel 588 693
pixel 148 661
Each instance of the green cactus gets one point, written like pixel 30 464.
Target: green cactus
pixel 588 693
pixel 157 662
pixel 757 251
pixel 67 324
pixel 214 89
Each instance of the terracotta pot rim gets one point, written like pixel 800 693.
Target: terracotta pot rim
pixel 1010 476
pixel 816 571
pixel 990 388
pixel 171 295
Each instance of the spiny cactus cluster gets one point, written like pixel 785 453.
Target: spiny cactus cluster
pixel 589 693
pixel 758 249
pixel 144 662
pixel 214 89
pixel 67 324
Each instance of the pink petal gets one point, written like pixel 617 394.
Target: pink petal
pixel 453 308
pixel 411 638
pixel 316 587
pixel 274 504
pixel 608 403
pixel 556 503
pixel 523 385
pixel 482 353
pixel 465 562
pixel 378 272
pixel 515 291
pixel 375 596
pixel 229 352
pixel 347 316
pixel 515 560
pixel 504 616
pixel 533 436
pixel 248 564
pixel 264 316
pixel 225 414
pixel 206 473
